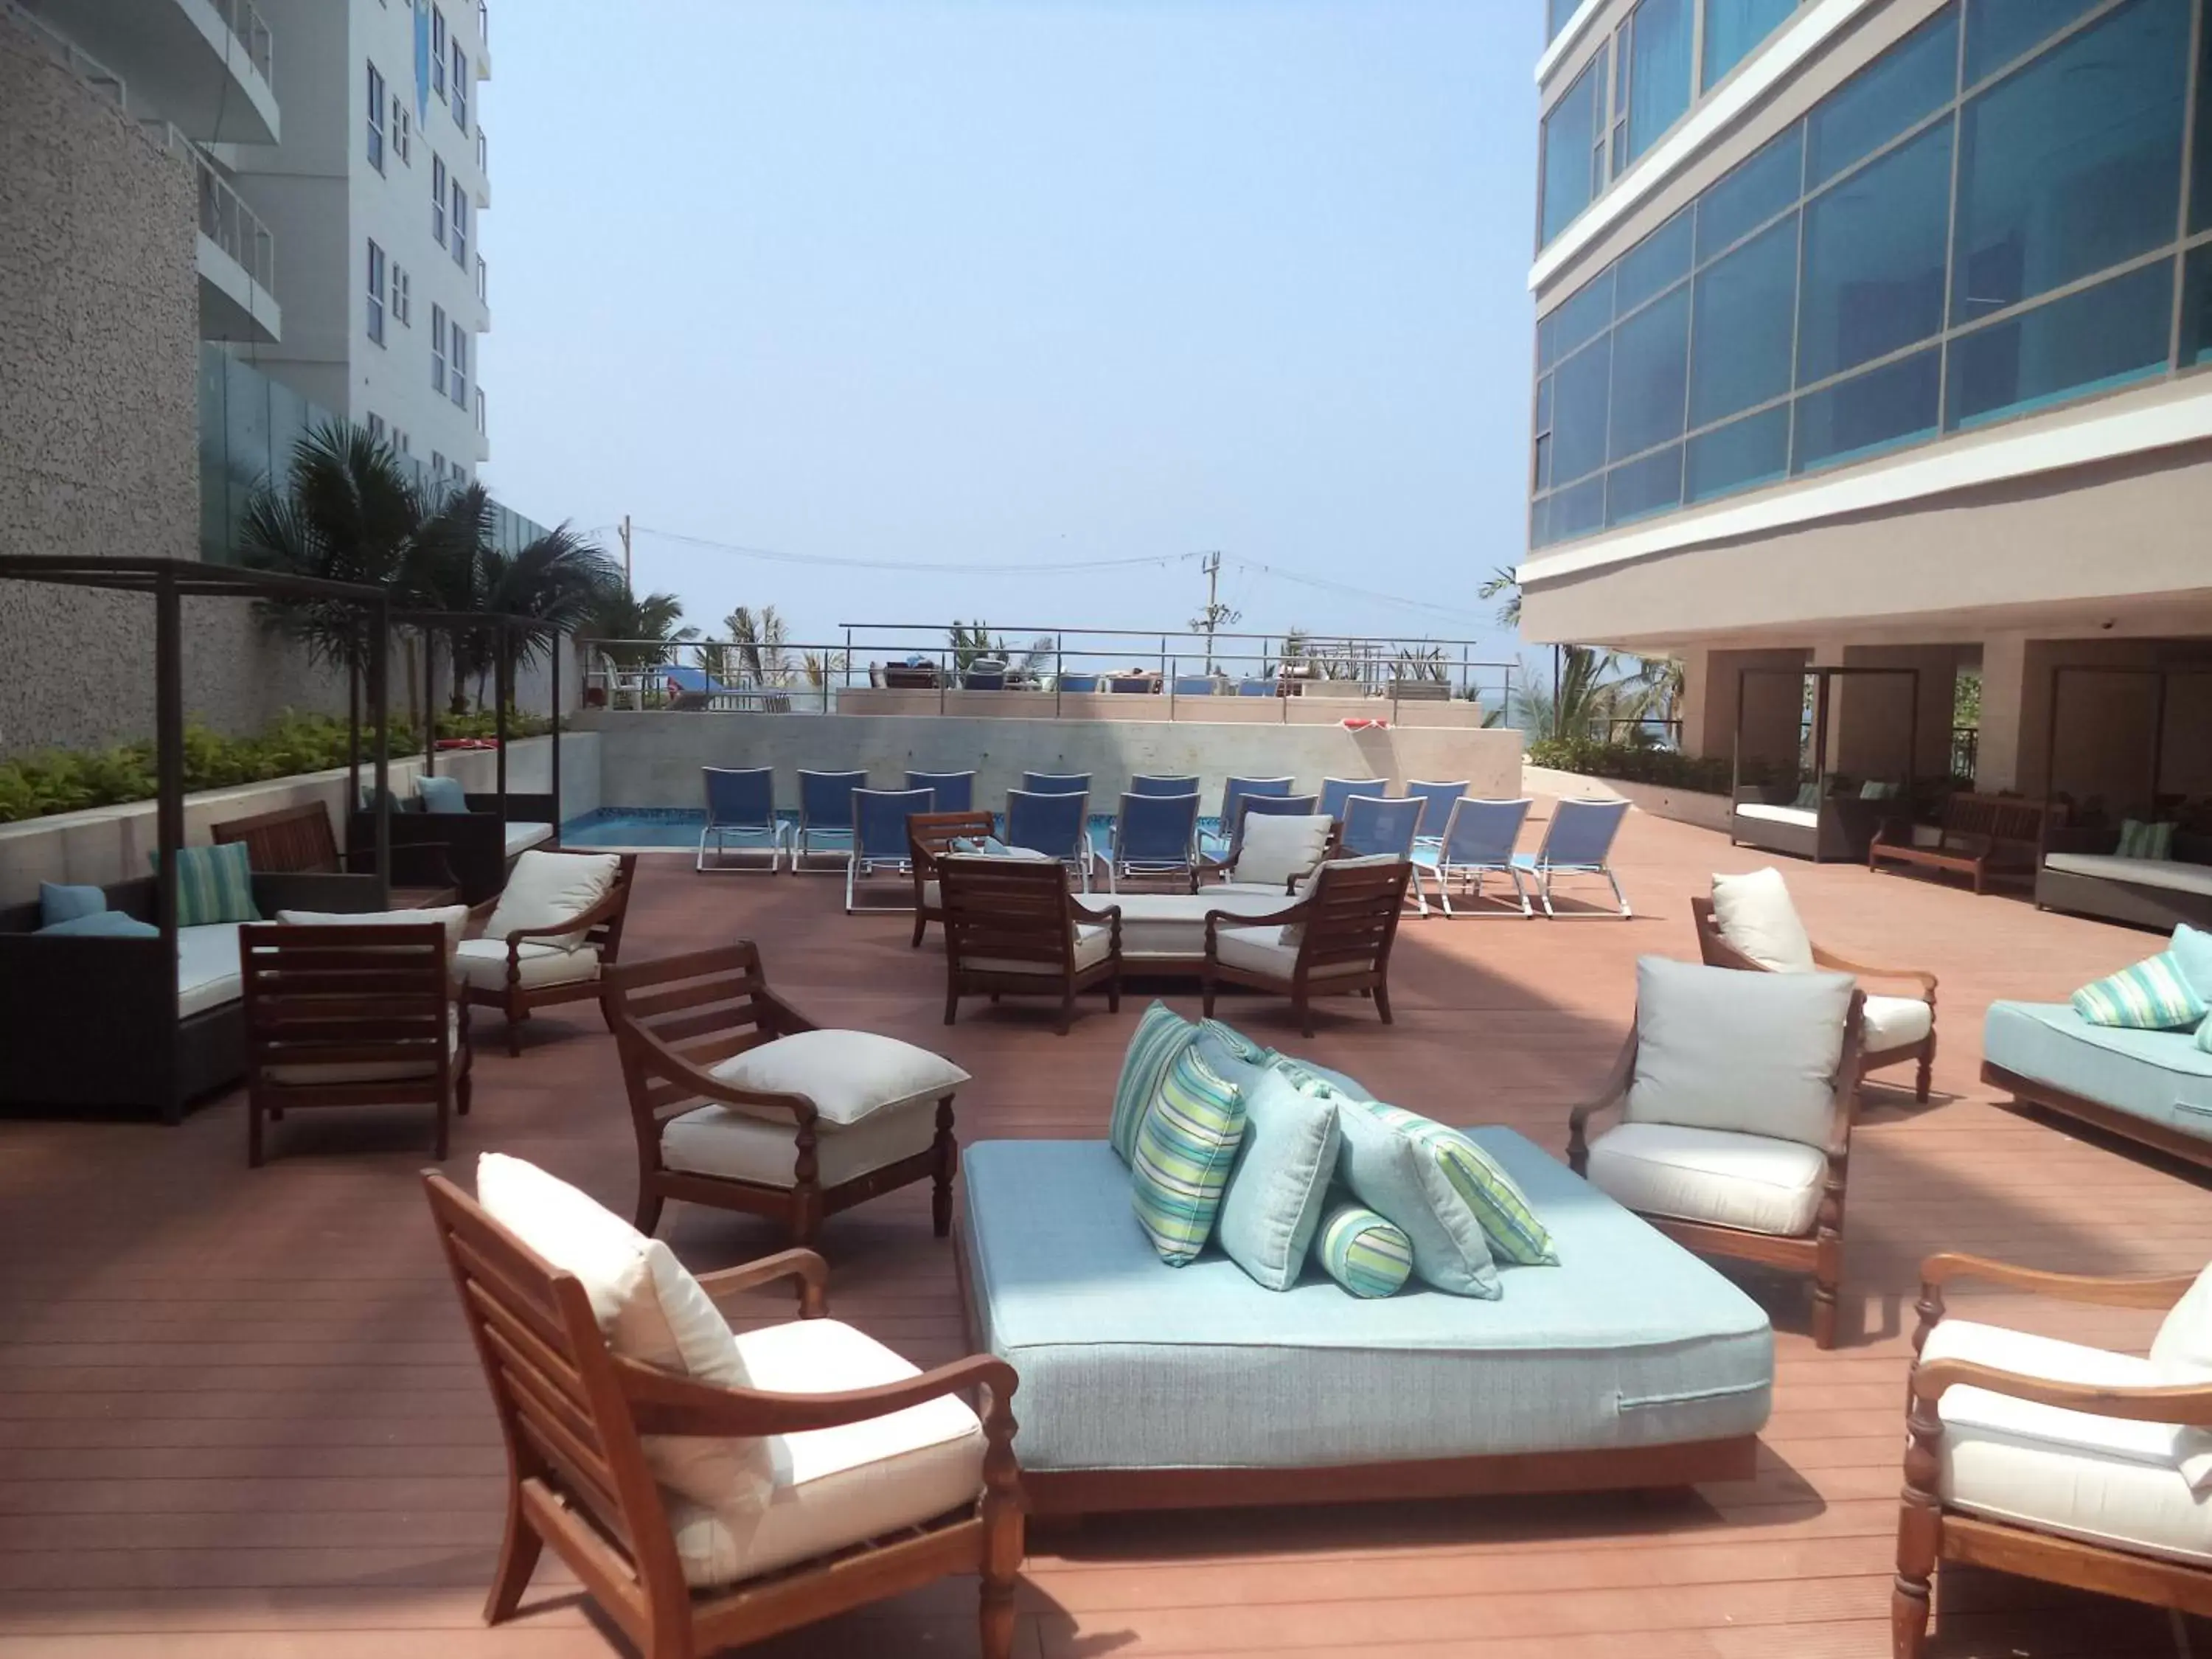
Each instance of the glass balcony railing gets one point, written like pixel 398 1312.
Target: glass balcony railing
pixel 244 21
pixel 483 290
pixel 225 220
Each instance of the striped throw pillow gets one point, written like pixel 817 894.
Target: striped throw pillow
pixel 2152 996
pixel 1160 1035
pixel 1508 1221
pixel 1234 1041
pixel 214 884
pixel 2139 840
pixel 1362 1252
pixel 1186 1147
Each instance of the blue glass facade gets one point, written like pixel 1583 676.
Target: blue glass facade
pixel 1986 220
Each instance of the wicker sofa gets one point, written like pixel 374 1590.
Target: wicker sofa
pixel 1841 826
pixel 2082 872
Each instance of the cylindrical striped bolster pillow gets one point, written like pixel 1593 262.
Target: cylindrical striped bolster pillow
pixel 1362 1252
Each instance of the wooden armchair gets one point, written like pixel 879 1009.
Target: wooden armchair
pixel 519 968
pixel 1347 923
pixel 1788 1214
pixel 929 837
pixel 574 1415
pixel 351 1015
pixel 707 1140
pixel 1897 1031
pixel 1012 925
pixel 1946 1514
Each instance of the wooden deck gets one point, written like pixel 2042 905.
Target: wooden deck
pixel 239 1419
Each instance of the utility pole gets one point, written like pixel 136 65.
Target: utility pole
pixel 1215 613
pixel 626 588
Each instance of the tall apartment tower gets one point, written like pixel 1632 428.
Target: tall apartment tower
pixel 1874 333
pixel 372 197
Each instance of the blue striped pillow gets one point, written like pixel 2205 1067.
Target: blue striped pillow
pixel 2139 839
pixel 1185 1146
pixel 1235 1042
pixel 1362 1251
pixel 214 884
pixel 1160 1035
pixel 2154 995
pixel 1508 1223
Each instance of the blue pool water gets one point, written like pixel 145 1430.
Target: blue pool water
pixel 679 826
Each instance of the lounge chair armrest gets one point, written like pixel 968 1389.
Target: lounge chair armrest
pixel 2188 1404
pixel 1293 913
pixel 1950 1266
pixel 661 1404
pixel 1919 977
pixel 811 1271
pixel 606 910
pixel 663 1062
pixel 1611 1094
pixel 1096 913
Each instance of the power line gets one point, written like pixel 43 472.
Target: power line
pixel 1347 589
pixel 775 556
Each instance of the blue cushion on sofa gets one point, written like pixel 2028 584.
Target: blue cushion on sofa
pixel 102 924
pixel 441 794
pixel 214 884
pixel 59 903
pixel 1280 1185
pixel 2192 948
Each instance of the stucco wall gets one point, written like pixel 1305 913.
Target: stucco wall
pixel 654 759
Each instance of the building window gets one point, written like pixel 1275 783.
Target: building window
pixel 376 293
pixel 460 237
pixel 1970 228
pixel 437 465
pixel 1734 27
pixel 399 440
pixel 438 51
pixel 1557 15
pixel 460 87
pixel 375 118
pixel 457 376
pixel 437 200
pixel 375 428
pixel 402 298
pixel 438 348
pixel 1655 75
pixel 403 129
pixel 1573 151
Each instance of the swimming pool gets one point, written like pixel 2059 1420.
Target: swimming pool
pixel 679 826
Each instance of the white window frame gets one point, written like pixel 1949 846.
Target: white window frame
pixel 437 465
pixel 376 277
pixel 375 141
pixel 438 350
pixel 457 368
pixel 438 51
pixel 402 130
pixel 402 297
pixel 438 199
pixel 460 98
pixel 459 218
pixel 375 426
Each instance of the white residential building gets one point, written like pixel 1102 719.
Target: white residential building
pixel 373 195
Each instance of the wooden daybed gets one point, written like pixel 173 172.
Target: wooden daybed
pixel 2081 873
pixel 1840 827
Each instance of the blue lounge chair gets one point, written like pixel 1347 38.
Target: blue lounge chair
pixel 1054 823
pixel 1056 783
pixel 1477 841
pixel 1152 783
pixel 1079 682
pixel 741 805
pixel 956 791
pixel 1289 806
pixel 984 674
pixel 825 813
pixel 1238 789
pixel 1440 798
pixel 1579 842
pixel 1372 826
pixel 1154 836
pixel 1194 685
pixel 879 838
pixel 1255 688
pixel 1334 791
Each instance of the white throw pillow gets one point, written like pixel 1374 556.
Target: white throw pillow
pixel 454 918
pixel 547 888
pixel 651 1311
pixel 1755 915
pixel 1276 847
pixel 848 1075
pixel 1756 1053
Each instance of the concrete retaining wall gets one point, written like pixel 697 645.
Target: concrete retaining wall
pixel 654 759
pixel 112 843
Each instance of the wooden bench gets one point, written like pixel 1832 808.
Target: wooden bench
pixel 298 841
pixel 1987 837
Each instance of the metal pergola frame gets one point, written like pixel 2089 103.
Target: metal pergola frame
pixel 433 624
pixel 1823 675
pixel 2160 674
pixel 171 581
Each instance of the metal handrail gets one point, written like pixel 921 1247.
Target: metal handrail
pixel 240 17
pixel 70 56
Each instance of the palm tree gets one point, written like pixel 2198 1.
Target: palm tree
pixel 1583 702
pixel 760 637
pixel 643 630
pixel 1504 586
pixel 971 641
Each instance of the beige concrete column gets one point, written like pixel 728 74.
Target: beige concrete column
pixel 1772 704
pixel 1997 760
pixel 1873 718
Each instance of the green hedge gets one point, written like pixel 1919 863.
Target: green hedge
pixel 1633 764
pixel 65 781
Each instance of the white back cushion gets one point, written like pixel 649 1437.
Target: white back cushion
pixel 650 1309
pixel 547 888
pixel 1756 1053
pixel 1276 846
pixel 454 918
pixel 2184 1348
pixel 1755 915
pixel 848 1075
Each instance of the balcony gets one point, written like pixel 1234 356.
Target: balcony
pixel 237 256
pixel 482 186
pixel 206 67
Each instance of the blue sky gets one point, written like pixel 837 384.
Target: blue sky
pixel 1013 283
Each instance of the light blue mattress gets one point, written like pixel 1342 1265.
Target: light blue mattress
pixel 2161 1076
pixel 1126 1363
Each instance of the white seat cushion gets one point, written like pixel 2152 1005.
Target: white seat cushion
pixel 1754 914
pixel 1261 951
pixel 1750 1182
pixel 1896 1022
pixel 651 1309
pixel 836 1487
pixel 1757 1053
pixel 207 968
pixel 721 1140
pixel 1173 925
pixel 389 1070
pixel 2172 874
pixel 482 962
pixel 547 888
pixel 454 918
pixel 521 837
pixel 1802 817
pixel 2102 1479
pixel 1094 941
pixel 1276 847
pixel 848 1075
